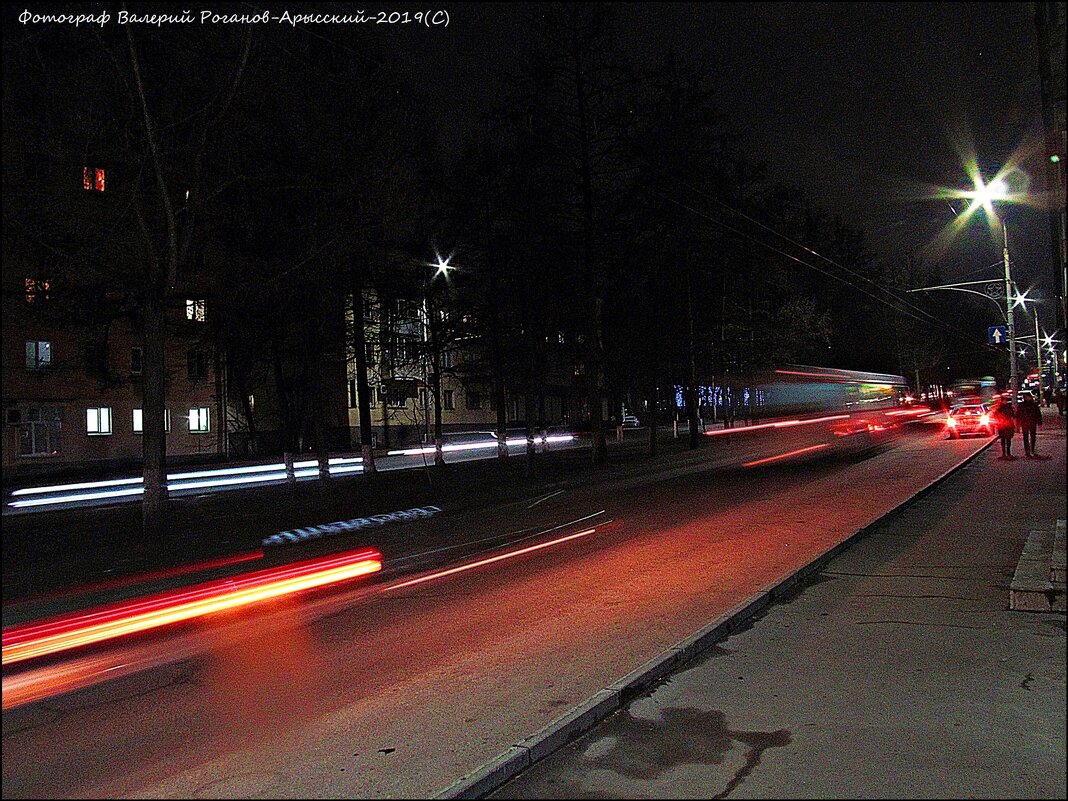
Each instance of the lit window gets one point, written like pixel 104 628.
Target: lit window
pixel 370 311
pixel 199 420
pixel 448 359
pixel 98 421
pixel 37 290
pixel 423 396
pixel 448 402
pixel 93 179
pixel 138 421
pixel 38 355
pixel 136 361
pixel 196 310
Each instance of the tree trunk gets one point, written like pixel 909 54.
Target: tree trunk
pixel 651 396
pixel 153 441
pixel 598 446
pixel 435 356
pixel 363 389
pixel 693 395
pixel 528 425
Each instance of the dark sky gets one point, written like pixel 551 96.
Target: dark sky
pixel 859 103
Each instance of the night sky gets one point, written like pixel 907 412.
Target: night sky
pixel 859 103
pixel 862 105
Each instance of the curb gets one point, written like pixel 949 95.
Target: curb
pixel 569 726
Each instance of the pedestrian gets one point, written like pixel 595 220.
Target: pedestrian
pixel 1029 415
pixel 1005 421
pixel 1058 398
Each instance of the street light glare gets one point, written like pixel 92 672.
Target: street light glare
pixel 443 266
pixel 995 190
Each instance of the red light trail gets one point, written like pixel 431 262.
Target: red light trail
pixel 785 455
pixel 780 424
pixel 30 640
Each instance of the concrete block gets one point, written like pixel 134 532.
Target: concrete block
pixel 718 629
pixel 1024 601
pixel 785 587
pixel 637 681
pixel 742 613
pixel 490 776
pixel 568 727
pixel 1056 564
pixel 1057 603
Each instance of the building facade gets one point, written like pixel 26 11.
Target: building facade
pixel 72 387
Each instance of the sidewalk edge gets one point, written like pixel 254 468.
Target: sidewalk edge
pixel 569 726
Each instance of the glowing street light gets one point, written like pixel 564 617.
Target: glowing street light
pixel 985 195
pixel 443 266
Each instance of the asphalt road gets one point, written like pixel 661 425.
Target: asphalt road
pixel 380 692
pixel 898 672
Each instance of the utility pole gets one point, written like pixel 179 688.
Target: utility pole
pixel 1014 381
pixel 1038 357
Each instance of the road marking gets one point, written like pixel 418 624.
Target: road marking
pixel 547 497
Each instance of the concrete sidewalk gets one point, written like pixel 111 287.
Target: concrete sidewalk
pixel 897 671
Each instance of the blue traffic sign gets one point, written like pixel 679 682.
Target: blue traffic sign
pixel 997 334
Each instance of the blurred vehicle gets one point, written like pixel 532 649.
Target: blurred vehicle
pixel 630 420
pixel 975 390
pixel 974 419
pixel 463 437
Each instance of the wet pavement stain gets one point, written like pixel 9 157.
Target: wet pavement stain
pixel 646 749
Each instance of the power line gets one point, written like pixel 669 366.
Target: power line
pixel 815 253
pixel 744 235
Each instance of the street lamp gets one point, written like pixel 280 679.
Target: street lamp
pixel 443 268
pixel 983 196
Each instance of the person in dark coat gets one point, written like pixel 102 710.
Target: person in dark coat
pixel 1029 416
pixel 1005 421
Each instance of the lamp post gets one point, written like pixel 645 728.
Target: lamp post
pixel 983 196
pixel 1010 320
pixel 431 335
pixel 1038 357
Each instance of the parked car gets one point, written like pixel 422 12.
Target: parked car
pixel 971 419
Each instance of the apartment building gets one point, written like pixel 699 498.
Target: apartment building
pixel 73 358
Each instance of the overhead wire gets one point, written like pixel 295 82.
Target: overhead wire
pixel 744 235
pixel 842 267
